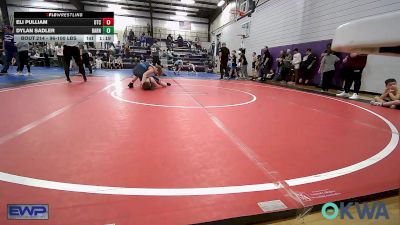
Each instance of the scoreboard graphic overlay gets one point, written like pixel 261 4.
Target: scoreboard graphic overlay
pixel 64 26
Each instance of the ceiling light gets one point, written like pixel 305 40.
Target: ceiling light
pixel 178 13
pixel 44 4
pixel 114 7
pixel 221 3
pixel 188 2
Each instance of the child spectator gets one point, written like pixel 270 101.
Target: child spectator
pixel 104 60
pixel 243 63
pixel 155 53
pixel 223 60
pixel 258 67
pixel 85 57
pixel 210 68
pixel 390 96
pixel 118 63
pixel 266 62
pixel 59 52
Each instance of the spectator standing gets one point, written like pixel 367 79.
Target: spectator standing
pixel 352 70
pixel 178 66
pixel 59 52
pixel 296 65
pixel 23 55
pixel 270 75
pixel 118 63
pixel 258 67
pixel 306 66
pixel 234 65
pixel 327 69
pixel 85 57
pixel 143 40
pixel 253 65
pixel 243 63
pixel 286 66
pixel 223 59
pixel 71 50
pixel 279 65
pixel 8 48
pixel 212 50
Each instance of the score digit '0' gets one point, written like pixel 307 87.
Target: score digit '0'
pixel 108 21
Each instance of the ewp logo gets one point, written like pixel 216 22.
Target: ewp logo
pixel 28 212
pixel 375 212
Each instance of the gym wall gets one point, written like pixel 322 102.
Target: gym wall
pixel 282 24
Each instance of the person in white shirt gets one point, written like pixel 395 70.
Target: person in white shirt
pixel 98 63
pixel 296 64
pixel 71 50
pixel 23 54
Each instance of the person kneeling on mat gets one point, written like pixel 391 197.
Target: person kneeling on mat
pixel 147 74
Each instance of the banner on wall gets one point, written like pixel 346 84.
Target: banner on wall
pixel 185 25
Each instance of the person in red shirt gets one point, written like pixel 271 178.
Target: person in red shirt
pixel 353 66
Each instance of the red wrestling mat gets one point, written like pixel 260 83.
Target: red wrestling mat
pixel 200 150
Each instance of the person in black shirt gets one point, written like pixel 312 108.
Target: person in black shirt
pixel 223 59
pixel 179 40
pixel 266 63
pixel 306 66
